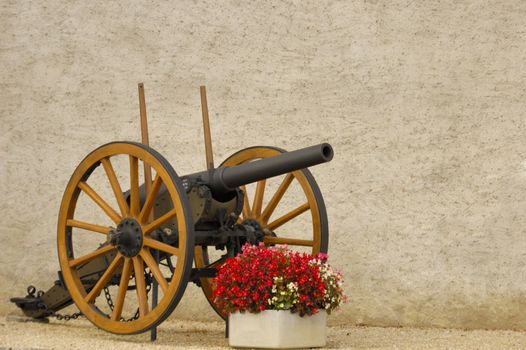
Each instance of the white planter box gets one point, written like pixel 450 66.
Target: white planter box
pixel 277 329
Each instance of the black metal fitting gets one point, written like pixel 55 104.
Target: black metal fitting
pixel 127 237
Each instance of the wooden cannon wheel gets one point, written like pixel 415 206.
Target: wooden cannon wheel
pixel 130 261
pixel 253 209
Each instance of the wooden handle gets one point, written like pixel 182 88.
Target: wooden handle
pixel 206 129
pixel 145 140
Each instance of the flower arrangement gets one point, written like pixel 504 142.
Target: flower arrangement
pixel 277 278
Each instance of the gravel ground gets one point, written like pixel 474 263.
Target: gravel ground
pixel 176 334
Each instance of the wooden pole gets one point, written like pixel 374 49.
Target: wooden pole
pixel 206 128
pixel 148 186
pixel 144 137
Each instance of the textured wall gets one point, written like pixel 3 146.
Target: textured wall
pixel 422 101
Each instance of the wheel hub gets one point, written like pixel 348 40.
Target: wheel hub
pixel 254 232
pixel 254 223
pixel 127 237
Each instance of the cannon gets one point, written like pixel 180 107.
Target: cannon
pixel 130 241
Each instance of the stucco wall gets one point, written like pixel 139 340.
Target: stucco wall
pixel 422 101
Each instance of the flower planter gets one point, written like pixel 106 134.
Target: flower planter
pixel 277 329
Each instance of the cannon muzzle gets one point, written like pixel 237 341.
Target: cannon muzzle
pixel 225 179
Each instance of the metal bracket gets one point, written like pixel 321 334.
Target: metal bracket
pixel 205 272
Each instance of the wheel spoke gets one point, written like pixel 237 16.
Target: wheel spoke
pixel 246 205
pixel 154 268
pixel 289 216
pixel 134 186
pixel 272 204
pixel 159 221
pixel 115 185
pixel 163 247
pixel 150 200
pixel 258 198
pixel 88 257
pixel 87 226
pixel 100 202
pixel 103 280
pixel 289 241
pixel 140 284
pixel 123 287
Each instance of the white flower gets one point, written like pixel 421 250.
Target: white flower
pixel 292 286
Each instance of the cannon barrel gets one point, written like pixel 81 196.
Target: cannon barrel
pixel 225 179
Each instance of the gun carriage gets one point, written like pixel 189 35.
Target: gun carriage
pixel 156 228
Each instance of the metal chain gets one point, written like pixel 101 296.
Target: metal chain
pixel 31 290
pixel 67 317
pixel 50 313
pixel 109 300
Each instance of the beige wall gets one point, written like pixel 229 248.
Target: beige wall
pixel 422 101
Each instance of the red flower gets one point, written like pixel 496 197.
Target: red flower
pixel 246 282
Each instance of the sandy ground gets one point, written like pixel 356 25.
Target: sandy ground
pixel 176 334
